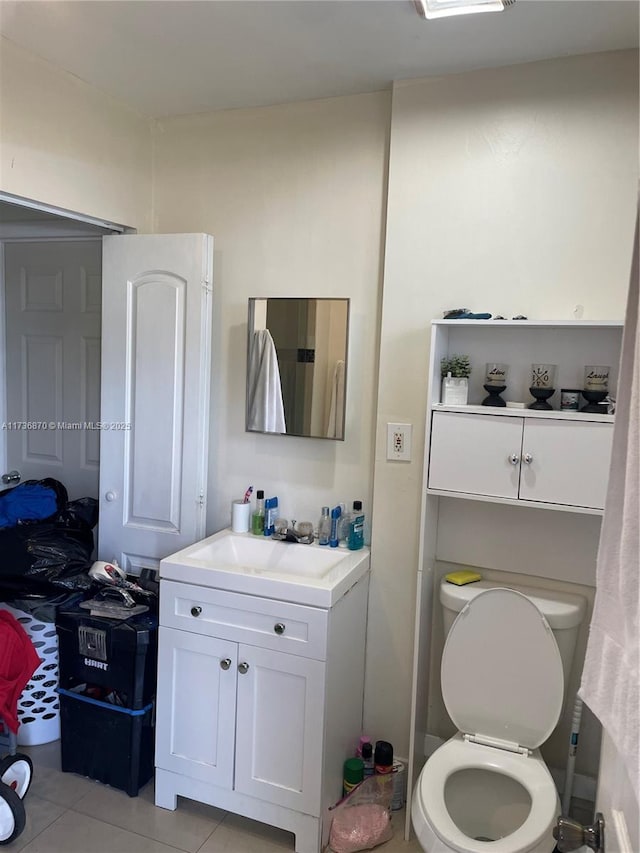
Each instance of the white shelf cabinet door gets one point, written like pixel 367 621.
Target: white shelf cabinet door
pixel 279 729
pixel 472 454
pixel 196 703
pixel 569 462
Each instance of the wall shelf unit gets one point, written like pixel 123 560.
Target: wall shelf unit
pixel 549 460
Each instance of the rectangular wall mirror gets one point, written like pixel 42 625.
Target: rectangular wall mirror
pixel 297 366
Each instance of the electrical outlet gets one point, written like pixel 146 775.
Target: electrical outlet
pixel 399 442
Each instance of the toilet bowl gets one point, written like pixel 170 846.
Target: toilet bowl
pixel 488 788
pixel 469 794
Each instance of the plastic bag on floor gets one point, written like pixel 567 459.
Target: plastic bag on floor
pixel 362 820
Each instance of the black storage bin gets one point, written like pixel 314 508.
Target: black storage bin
pixel 106 742
pixel 117 654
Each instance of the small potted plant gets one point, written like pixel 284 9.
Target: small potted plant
pixel 455 371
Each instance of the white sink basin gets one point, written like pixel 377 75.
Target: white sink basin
pixel 241 562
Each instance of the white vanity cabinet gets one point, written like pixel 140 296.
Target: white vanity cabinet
pixel 259 703
pixel 557 458
pixel 551 459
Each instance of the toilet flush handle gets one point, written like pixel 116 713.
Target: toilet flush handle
pixel 571 835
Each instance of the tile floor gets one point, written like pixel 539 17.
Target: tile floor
pixel 70 814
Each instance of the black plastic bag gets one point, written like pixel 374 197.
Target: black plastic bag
pixel 43 557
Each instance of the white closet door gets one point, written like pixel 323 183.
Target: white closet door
pixel 52 302
pixel 156 331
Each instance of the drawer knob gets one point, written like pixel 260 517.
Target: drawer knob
pixel 196 610
pixel 527 459
pixel 243 667
pixel 514 459
pixel 279 627
pixel 225 664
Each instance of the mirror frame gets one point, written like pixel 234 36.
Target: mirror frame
pixel 251 329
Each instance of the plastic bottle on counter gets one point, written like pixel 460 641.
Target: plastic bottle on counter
pixel 343 527
pixel 335 521
pixel 270 515
pixel 257 519
pixel 324 527
pixel 356 527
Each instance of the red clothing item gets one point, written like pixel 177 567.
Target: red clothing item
pixel 18 662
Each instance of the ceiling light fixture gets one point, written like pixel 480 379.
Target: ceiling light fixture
pixel 444 8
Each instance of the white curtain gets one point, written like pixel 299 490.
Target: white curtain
pixel 611 676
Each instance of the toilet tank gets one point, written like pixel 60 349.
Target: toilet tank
pixel 563 611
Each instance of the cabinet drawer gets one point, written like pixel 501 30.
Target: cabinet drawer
pixel 263 622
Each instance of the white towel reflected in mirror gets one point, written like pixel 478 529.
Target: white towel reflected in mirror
pixel 265 409
pixel 335 426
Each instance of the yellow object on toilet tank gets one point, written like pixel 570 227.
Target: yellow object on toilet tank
pixel 462 577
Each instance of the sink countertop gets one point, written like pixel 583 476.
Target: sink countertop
pixel 229 561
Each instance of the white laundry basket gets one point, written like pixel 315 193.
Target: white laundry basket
pixel 38 706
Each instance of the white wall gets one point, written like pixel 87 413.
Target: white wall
pixel 64 143
pixel 513 191
pixel 294 196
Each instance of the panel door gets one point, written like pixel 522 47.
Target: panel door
pixel 279 729
pixel 196 704
pixel 569 462
pixel 155 395
pixel 472 454
pixel 53 306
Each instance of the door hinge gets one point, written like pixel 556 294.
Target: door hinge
pixel 206 285
pixel 201 500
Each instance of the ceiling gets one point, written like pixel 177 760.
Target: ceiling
pixel 172 57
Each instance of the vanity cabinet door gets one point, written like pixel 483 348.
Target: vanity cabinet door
pixel 195 725
pixel 279 733
pixel 474 454
pixel 566 462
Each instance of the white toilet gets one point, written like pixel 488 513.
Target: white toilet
pixel 504 667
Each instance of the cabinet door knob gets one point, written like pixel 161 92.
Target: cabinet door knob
pixel 279 628
pixel 225 664
pixel 514 459
pixel 243 667
pixel 527 459
pixel 196 610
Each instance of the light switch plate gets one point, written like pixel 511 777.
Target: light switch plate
pixel 399 442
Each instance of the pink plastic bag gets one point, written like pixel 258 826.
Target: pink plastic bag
pixel 362 820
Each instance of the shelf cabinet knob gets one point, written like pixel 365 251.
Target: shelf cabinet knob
pixel 196 610
pixel 279 628
pixel 514 459
pixel 243 667
pixel 527 459
pixel 225 663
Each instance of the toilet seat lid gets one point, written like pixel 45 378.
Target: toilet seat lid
pixel 502 671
